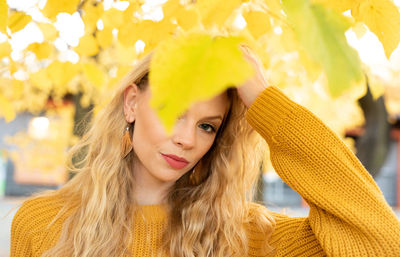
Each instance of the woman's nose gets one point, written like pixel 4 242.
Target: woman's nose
pixel 184 133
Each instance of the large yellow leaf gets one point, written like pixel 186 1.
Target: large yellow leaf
pixel 87 46
pixel 338 5
pixel 5 49
pixel 41 50
pixel 6 109
pixel 321 33
pixel 54 7
pixel 193 67
pixel 383 18
pixel 18 21
pixel 3 16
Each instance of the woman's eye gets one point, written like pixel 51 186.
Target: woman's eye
pixel 208 128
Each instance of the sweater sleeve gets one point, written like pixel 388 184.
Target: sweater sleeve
pixel 22 232
pixel 348 213
pixel 30 235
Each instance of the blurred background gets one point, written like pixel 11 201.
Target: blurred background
pixel 58 64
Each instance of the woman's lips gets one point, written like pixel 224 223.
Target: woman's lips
pixel 173 162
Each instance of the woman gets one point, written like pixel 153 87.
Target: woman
pixel 140 192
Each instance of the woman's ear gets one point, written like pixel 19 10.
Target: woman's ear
pixel 131 93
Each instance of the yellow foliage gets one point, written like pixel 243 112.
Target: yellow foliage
pixel 87 46
pixel 18 21
pixel 91 15
pixel 54 7
pixel 94 74
pixel 148 31
pixel 129 33
pixel 3 16
pixel 125 54
pixel 31 167
pixel 49 32
pixel 258 23
pixel 6 109
pixel 104 37
pixel 383 18
pixel 41 50
pixel 60 73
pixel 113 18
pixel 275 7
pixel 5 49
pixel 188 19
pixel 41 80
pixel 12 66
pixel 185 17
pixel 216 12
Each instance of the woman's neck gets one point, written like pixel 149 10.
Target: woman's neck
pixel 148 189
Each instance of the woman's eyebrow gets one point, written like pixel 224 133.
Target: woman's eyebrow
pixel 213 117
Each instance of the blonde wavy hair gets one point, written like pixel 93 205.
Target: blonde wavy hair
pixel 205 220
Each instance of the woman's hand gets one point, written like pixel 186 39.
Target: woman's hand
pixel 249 90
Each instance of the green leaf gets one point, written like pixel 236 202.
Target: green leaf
pixel 193 67
pixel 321 33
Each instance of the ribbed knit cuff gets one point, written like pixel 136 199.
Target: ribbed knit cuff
pixel 268 111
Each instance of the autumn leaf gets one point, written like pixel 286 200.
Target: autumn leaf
pixel 104 37
pixel 41 50
pixel 359 29
pixel 49 32
pixel 185 17
pixel 61 73
pixel 258 23
pixel 321 33
pixel 41 80
pixel 216 11
pixel 383 18
pixel 91 15
pixel 54 7
pixel 94 74
pixel 5 49
pixel 150 32
pixel 87 46
pixel 3 16
pixel 18 21
pixel 193 67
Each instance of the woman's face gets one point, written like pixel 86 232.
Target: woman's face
pixel 192 136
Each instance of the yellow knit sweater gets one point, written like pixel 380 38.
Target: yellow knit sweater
pixel 348 213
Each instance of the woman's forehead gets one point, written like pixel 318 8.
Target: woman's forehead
pixel 212 106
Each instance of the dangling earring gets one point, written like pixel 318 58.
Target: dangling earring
pixel 126 146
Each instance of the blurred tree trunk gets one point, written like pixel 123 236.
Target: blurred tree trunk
pixel 82 117
pixel 373 145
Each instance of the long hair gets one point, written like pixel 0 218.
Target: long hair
pixel 208 219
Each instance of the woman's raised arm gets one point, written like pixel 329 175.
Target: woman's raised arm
pixel 348 213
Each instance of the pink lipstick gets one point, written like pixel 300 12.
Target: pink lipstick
pixel 175 161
